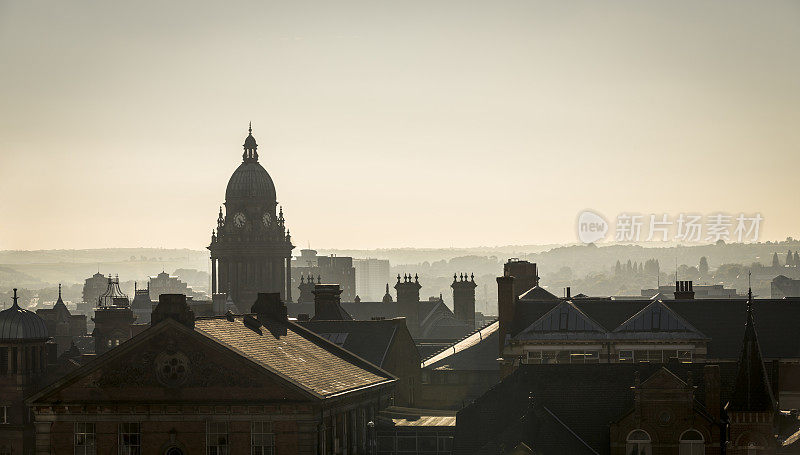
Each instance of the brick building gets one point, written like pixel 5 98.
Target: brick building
pixel 227 384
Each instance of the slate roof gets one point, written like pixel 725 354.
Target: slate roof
pixel 564 321
pixel 720 320
pixel 369 340
pixel 603 391
pixel 657 320
pixel 476 351
pixel 538 293
pixel 299 356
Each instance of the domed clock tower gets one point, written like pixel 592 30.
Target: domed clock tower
pixel 251 248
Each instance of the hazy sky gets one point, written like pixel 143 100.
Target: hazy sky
pixel 402 123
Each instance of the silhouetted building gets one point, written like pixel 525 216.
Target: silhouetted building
pixel 636 408
pixel 253 383
pixel 141 305
pixel 429 320
pixel 62 325
pixel 23 362
pixel 462 371
pixel 783 286
pixel 371 275
pixel 93 288
pixel 327 269
pixel 604 330
pixel 164 283
pixel 113 318
pixel 701 291
pixel 251 249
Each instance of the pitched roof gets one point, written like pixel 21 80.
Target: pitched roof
pixel 657 320
pixel 603 398
pixel 476 351
pixel 752 391
pixel 564 321
pixel 281 350
pixel 538 293
pixel 720 320
pixel 369 340
pixel 299 355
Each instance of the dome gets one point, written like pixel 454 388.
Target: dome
pixel 250 181
pixel 17 324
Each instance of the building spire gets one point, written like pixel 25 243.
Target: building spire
pixel 751 391
pixel 15 299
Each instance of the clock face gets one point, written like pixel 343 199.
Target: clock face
pixel 267 219
pixel 239 219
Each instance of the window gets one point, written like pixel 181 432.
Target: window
pixel 692 443
pixel 3 360
pixel 445 444
pixel 130 439
pixel 262 439
pixel 638 443
pixel 626 356
pixel 3 414
pixel 84 439
pixel 217 438
pixel 535 357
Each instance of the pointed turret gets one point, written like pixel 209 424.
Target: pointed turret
pixel 752 391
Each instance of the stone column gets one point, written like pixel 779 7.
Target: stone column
pixel 289 279
pixel 213 277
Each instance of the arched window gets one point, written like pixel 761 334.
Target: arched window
pixel 638 443
pixel 692 443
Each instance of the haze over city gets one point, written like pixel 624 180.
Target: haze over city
pixel 393 124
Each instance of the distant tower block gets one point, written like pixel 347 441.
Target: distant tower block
pixel 464 298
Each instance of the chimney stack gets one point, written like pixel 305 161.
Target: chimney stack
pixel 327 303
pixel 464 298
pixel 712 390
pixel 407 291
pixel 506 305
pixel 269 307
pixel 526 274
pixel 173 306
pixel 684 290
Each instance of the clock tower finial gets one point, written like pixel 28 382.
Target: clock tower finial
pixel 250 154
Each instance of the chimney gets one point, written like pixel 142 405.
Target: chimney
pixel 684 290
pixel 173 306
pixel 506 303
pixel 526 274
pixel 327 303
pixel 712 389
pixel 269 307
pixel 464 298
pixel 568 293
pixel 408 301
pixel 218 303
